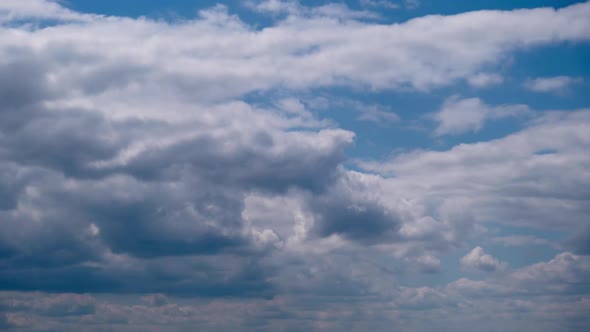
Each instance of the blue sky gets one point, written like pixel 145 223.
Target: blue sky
pixel 283 165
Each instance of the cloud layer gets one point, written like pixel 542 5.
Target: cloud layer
pixel 137 159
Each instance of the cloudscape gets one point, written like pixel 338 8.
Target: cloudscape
pixel 283 165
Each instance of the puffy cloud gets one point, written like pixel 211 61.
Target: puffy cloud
pixel 479 259
pixel 353 210
pixel 11 10
pixel 459 116
pixel 299 52
pixel 565 274
pixel 532 178
pixel 130 163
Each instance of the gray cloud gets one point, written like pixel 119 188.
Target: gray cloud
pixel 350 209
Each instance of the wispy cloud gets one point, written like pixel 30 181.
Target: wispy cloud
pixel 557 84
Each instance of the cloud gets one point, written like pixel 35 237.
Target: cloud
pixel 482 80
pixel 294 8
pixel 479 259
pixel 292 53
pixel 377 115
pixel 379 4
pixel 12 10
pixel 459 116
pixel 531 178
pixel 552 291
pixel 521 241
pixel 565 274
pixel 350 209
pixel 557 84
pixel 133 162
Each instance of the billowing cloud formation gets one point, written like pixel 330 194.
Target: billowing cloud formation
pixel 137 159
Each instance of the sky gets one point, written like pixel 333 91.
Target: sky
pixel 283 165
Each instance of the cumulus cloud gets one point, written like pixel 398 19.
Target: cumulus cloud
pixel 479 259
pixel 459 116
pixel 134 161
pixel 565 273
pixel 360 53
pixel 516 180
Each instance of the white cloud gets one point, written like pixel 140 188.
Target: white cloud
pixel 126 150
pixel 294 8
pixel 459 116
pixel 566 269
pixel 482 80
pixel 555 84
pixel 230 58
pixel 532 178
pixel 379 3
pixel 38 9
pixel 477 258
pixel 276 6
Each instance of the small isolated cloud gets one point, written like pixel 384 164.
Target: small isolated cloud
pixel 480 260
pixel 275 6
pixel 557 84
pixel 37 9
pixel 293 7
pixel 458 116
pixel 483 80
pixel 379 4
